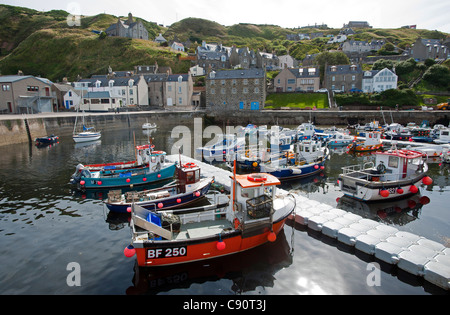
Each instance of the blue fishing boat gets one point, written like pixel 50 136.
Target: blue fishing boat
pixel 188 189
pixel 308 158
pixel 46 140
pixel 157 170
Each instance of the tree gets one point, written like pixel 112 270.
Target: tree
pixel 331 58
pixel 438 75
pixel 383 63
pixel 404 67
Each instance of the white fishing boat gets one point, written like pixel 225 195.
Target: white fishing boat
pixel 395 174
pixel 149 125
pixel 443 137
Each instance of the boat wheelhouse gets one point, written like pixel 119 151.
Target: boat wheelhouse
pixel 188 189
pixel 394 174
pixel 254 216
pixel 371 142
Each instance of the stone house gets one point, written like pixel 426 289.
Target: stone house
pixel 287 61
pixel 232 90
pixel 25 94
pixel 379 80
pixel 245 58
pixel 156 88
pixel 430 48
pixel 343 77
pixel 297 80
pixel 128 28
pixel 213 56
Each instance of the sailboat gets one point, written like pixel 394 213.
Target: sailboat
pixel 87 133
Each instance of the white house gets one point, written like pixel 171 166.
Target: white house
pixel 177 46
pixel 99 102
pixel 379 80
pixel 286 61
pixel 337 39
pixel 130 90
pixel 72 98
pixel 179 90
pixel 197 71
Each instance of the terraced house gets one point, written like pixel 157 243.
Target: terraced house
pixel 297 80
pixel 343 77
pixel 242 89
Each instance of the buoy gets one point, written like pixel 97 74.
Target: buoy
pixel 221 245
pixel 316 166
pixel 159 175
pixel 178 200
pixel 399 191
pixel 411 204
pixel 255 164
pixel 129 209
pixel 256 178
pixel 160 205
pixel 144 179
pixel 322 167
pixel 337 199
pixel 197 193
pixel 129 251
pixel 271 237
pixel 384 193
pixel 413 189
pixel 424 200
pixel 128 180
pixel 99 182
pixel 427 180
pixel 82 182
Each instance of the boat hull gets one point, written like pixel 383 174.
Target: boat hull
pixel 85 137
pixel 127 179
pixel 296 172
pixel 151 254
pixel 371 191
pixel 172 202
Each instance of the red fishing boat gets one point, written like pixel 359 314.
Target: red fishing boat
pixel 254 216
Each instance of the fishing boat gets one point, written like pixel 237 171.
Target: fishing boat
pixel 396 131
pixel 156 171
pixel 46 140
pixel 189 188
pixel 339 139
pixel 395 174
pixel 255 216
pixel 86 134
pixel 443 136
pixel 372 142
pixel 307 158
pixel 227 144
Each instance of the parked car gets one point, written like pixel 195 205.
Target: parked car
pixel 322 91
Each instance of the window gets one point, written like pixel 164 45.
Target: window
pixel 131 91
pixel 393 161
pixel 169 88
pixel 222 82
pixel 180 100
pixel 256 90
pixel 245 90
pixel 353 77
pixel 233 91
pixel 104 101
pixel 333 78
pixel 6 87
pixel 213 91
pixel 32 88
pixel 291 81
pixel 222 91
pixel 179 90
pixel 245 81
pixel 256 81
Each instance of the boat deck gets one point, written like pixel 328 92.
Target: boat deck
pixel 411 253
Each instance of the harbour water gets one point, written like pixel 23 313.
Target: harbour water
pixel 46 228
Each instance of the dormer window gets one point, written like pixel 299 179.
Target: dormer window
pixel 98 83
pixel 111 83
pixel 180 79
pixel 130 83
pixel 333 68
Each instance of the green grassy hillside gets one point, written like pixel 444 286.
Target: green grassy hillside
pixel 41 43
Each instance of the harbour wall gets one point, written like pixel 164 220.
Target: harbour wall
pixel 24 128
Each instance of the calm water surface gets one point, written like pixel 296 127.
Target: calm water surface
pixel 44 226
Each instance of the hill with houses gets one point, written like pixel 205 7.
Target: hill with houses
pixel 43 44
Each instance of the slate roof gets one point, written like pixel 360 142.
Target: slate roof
pixel 120 81
pixel 305 72
pixel 238 74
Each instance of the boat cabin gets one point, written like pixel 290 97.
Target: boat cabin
pixel 188 173
pixel 395 165
pixel 373 138
pixel 143 154
pixel 253 197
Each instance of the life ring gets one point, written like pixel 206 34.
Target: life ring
pixel 189 165
pixel 257 177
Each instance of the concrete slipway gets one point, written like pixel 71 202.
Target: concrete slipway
pixel 412 253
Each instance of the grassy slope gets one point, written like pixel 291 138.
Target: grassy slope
pixel 297 100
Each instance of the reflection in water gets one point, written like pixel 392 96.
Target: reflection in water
pixel 399 212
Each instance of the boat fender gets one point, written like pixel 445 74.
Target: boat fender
pixel 257 178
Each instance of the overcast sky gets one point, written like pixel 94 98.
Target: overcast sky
pixel 432 15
